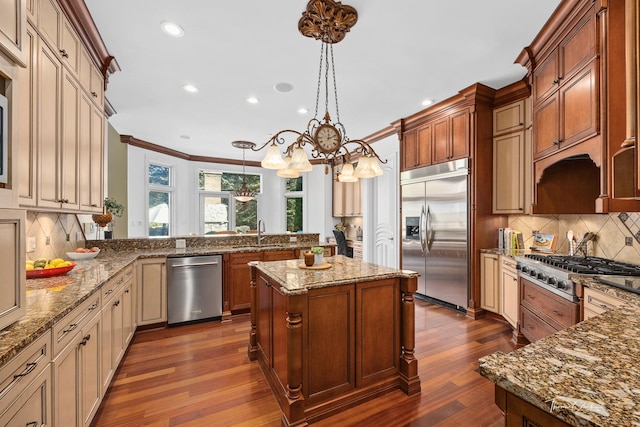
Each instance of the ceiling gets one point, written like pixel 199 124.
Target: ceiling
pixel 398 54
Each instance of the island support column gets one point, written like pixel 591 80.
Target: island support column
pixel 409 379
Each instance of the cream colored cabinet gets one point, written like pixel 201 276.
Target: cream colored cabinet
pixel 347 198
pixel 490 282
pixel 76 376
pixel 129 320
pixel 25 384
pixel 112 328
pixel 26 112
pixel 512 158
pixel 69 48
pixel 13 253
pixel 152 290
pixel 49 22
pixel 90 155
pixel 70 110
pixel 510 291
pixel 13 22
pixel 595 302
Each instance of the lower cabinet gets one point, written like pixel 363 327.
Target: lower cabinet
pixel 151 278
pixel 76 376
pixel 510 291
pixel 596 302
pixel 33 406
pixel 490 282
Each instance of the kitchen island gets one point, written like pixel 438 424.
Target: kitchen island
pixel 329 339
pixel 585 375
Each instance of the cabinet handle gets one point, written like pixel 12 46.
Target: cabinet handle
pixel 109 292
pixel 558 142
pixel 529 326
pixel 557 80
pixel 32 424
pixel 71 328
pixel 117 303
pixel 29 368
pixel 557 313
pixel 85 339
pixel 530 296
pixel 94 205
pixel 94 94
pixel 127 291
pixel 64 53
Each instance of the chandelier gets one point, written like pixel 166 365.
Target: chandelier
pixel 327 21
pixel 243 194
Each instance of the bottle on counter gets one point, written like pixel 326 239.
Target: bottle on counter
pixel 359 234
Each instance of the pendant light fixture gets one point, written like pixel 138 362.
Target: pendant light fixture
pixel 243 194
pixel 327 21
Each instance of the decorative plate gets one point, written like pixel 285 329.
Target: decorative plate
pixel 49 272
pixel 322 266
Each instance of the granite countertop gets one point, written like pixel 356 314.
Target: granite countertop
pixel 585 375
pixel 48 300
pixel 343 270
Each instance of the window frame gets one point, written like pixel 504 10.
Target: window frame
pixel 296 195
pixel 161 188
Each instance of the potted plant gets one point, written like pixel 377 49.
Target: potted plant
pixel 111 208
pixel 318 255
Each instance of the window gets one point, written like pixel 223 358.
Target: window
pixel 218 210
pixel 159 200
pixel 293 197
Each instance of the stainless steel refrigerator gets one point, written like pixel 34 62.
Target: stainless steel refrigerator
pixel 435 232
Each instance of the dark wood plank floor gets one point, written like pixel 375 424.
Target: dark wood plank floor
pixel 199 375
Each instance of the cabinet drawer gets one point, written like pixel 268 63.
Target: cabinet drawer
pixel 509 118
pixel 597 302
pixel 23 368
pixel 110 289
pixel 279 255
pixel 245 257
pixel 128 273
pixel 533 327
pixel 33 406
pixel 62 331
pixel 553 309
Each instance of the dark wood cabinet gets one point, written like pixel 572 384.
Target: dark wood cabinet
pixel 417 148
pixel 518 412
pixel 410 150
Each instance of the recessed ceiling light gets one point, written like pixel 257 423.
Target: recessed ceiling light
pixel 171 28
pixel 302 110
pixel 190 88
pixel 252 100
pixel 283 87
pixel 187 137
pixel 427 102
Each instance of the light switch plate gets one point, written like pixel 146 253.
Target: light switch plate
pixel 31 244
pixel 181 243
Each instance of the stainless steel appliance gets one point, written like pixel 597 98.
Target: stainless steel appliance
pixel 194 288
pixel 555 272
pixel 434 230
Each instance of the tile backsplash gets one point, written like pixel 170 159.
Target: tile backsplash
pixel 610 232
pixel 55 234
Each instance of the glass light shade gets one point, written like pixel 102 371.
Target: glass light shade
pixel 375 165
pixel 346 174
pixel 364 169
pixel 287 171
pixel 243 194
pixel 273 159
pixel 300 162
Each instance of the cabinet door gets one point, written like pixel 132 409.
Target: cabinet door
pixel 263 317
pixel 409 150
pixel 89 367
pixel 510 296
pixel 240 279
pixel 152 291
pixel 96 162
pixel 26 113
pixel 425 137
pixel 66 384
pixel 70 141
pixel 128 312
pixel 33 407
pixel 546 127
pixel 48 122
pixel 353 198
pixel 49 22
pixel 441 140
pixel 337 205
pixel 13 303
pixel 579 101
pixel 579 47
pixel 545 78
pixel 490 283
pixel 13 21
pixel 509 118
pixel 459 147
pixel 509 173
pixel 69 47
pixel 90 156
pixel 97 87
pixel 112 338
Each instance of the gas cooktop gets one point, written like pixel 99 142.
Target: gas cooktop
pixel 587 265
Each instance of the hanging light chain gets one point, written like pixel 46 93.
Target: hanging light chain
pixel 335 87
pixel 319 79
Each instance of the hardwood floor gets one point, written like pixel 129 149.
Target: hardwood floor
pixel 199 375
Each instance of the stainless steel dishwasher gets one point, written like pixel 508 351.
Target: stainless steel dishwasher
pixel 194 288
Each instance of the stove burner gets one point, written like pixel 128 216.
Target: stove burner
pixel 588 265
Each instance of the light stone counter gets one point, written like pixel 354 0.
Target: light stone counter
pixel 585 375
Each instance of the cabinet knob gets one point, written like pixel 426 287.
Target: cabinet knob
pixel 117 303
pixel 557 80
pixel 94 205
pixel 85 339
pixel 94 94
pixel 64 53
pixel 558 142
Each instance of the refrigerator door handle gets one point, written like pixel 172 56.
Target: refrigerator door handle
pixel 429 230
pixel 422 230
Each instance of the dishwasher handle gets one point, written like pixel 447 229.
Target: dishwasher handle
pixel 199 264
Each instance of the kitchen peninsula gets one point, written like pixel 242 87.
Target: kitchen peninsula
pixel 330 339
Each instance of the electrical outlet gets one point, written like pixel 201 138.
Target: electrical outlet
pixel 628 241
pixel 68 237
pixel 181 243
pixel 31 244
pixel 293 239
pixel 47 240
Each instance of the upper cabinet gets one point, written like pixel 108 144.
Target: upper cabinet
pixel 576 70
pixel 347 198
pixel 13 26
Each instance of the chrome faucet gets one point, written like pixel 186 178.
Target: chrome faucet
pixel 261 229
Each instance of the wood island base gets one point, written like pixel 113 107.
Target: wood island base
pixel 332 347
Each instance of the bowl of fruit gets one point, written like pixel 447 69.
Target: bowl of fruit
pixel 43 267
pixel 83 253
